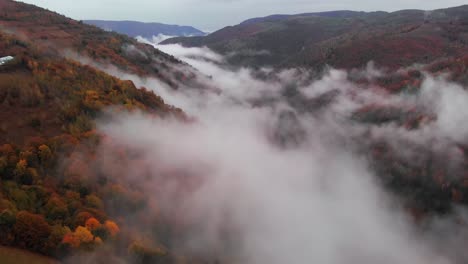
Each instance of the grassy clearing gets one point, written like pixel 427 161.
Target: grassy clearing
pixel 18 256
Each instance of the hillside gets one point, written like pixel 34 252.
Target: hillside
pixel 56 34
pixel 342 39
pixel 48 107
pixel 50 202
pixel 146 30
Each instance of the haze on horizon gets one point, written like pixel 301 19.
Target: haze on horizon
pixel 210 15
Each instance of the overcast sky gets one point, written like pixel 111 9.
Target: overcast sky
pixel 214 14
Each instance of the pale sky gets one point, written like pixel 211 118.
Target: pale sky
pixel 211 15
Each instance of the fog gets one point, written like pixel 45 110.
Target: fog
pixel 256 175
pixel 156 39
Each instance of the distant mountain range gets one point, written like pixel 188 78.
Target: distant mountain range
pixel 344 39
pixel 146 30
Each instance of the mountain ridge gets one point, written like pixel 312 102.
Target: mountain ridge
pixel 337 13
pixel 394 40
pixel 145 29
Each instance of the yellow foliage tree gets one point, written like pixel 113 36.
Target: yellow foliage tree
pixel 98 241
pixel 21 167
pixel 83 235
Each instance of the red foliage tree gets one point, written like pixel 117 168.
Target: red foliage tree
pixel 31 231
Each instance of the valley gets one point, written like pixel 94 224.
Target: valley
pixel 330 137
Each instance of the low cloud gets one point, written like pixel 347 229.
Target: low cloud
pixel 273 166
pixel 155 39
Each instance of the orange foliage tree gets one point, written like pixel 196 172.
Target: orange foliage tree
pixel 112 228
pixel 82 237
pixel 92 224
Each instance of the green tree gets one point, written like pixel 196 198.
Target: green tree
pixel 55 239
pixel 7 218
pixel 94 202
pixel 3 165
pixel 56 208
pixel 142 253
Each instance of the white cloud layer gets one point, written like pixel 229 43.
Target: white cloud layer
pixel 256 179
